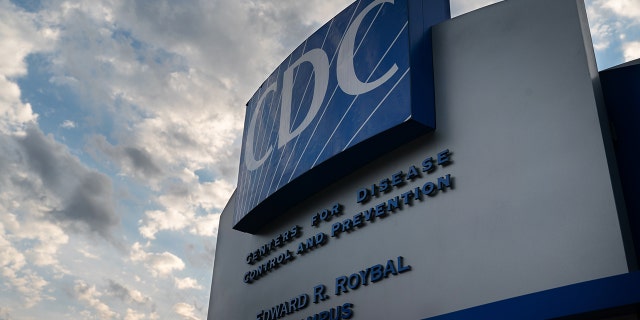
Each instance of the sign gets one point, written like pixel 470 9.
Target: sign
pixel 357 88
pixel 513 196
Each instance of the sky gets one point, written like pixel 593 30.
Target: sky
pixel 120 132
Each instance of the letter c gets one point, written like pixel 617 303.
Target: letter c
pixel 349 82
pixel 249 157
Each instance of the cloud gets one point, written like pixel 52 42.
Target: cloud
pixel 134 161
pixel 186 283
pixel 614 26
pixel 127 295
pixel 159 264
pixel 186 311
pixel 134 315
pixel 14 112
pixel 16 275
pixel 157 92
pixel 47 238
pixel 180 205
pixel 85 196
pixel 184 117
pixel 600 26
pixel 623 8
pixel 19 37
pixel 5 313
pixel 90 296
pixel 169 119
pixel 68 124
pixel 631 50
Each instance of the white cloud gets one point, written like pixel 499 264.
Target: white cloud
pixel 614 28
pixel 159 264
pixel 157 220
pixel 127 294
pixel 16 114
pixel 15 262
pixel 48 238
pixel 19 38
pixel 631 50
pixel 137 296
pixel 206 226
pixel 185 310
pixel 88 254
pixel 15 275
pixel 180 205
pixel 135 315
pixel 28 284
pixel 90 296
pixel 5 313
pixel 624 8
pixel 173 115
pixel 600 27
pixel 68 124
pixel 186 283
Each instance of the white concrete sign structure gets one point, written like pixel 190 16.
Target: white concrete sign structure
pixel 512 194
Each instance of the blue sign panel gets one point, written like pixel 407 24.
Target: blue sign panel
pixel 358 87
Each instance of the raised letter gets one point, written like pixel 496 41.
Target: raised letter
pixel 443 157
pixel 393 204
pixel 347 313
pixel 354 281
pixel 429 188
pixel 288 256
pixel 303 301
pixel 294 231
pixel 336 209
pixel 320 238
pixel 390 268
pixel 444 182
pixel 341 283
pixel 427 165
pixel 413 173
pixel 377 273
pixel 397 179
pixel 318 293
pixel 381 210
pixel 364 274
pixel 401 267
pixel 335 229
pixel 363 195
pixel 301 249
pixel 384 185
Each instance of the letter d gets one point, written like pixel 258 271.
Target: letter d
pixel 320 62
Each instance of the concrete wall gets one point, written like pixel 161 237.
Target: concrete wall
pixel 531 205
